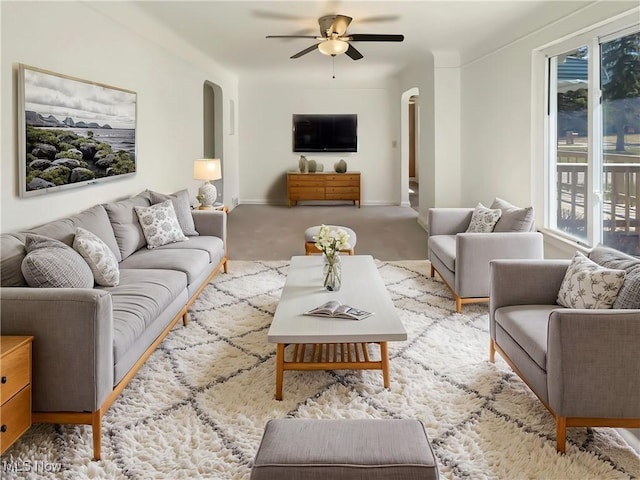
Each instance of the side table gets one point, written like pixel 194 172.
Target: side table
pixel 220 206
pixel 15 388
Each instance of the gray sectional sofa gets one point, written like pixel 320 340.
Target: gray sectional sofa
pixel 90 342
pixel 582 363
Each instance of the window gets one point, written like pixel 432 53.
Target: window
pixel 593 133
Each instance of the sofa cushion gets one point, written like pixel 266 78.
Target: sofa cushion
pixel 125 224
pixel 50 263
pixel 214 246
pixel 94 219
pixel 629 294
pixel 444 247
pixel 99 257
pixel 138 300
pixel 190 261
pixel 528 326
pixel 483 219
pixel 181 205
pixel 160 224
pixel 513 219
pixel 13 253
pixel 588 285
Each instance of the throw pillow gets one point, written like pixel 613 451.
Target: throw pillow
pixel 182 206
pixel 513 219
pixel 98 256
pixel 160 224
pixel 588 285
pixel 629 295
pixel 483 219
pixel 50 263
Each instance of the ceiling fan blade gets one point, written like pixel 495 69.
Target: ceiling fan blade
pixel 269 15
pixel 374 37
pixel 291 36
pixel 305 51
pixel 353 53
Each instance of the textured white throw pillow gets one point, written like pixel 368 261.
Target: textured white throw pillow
pixel 99 257
pixel 483 219
pixel 49 263
pixel 160 224
pixel 588 285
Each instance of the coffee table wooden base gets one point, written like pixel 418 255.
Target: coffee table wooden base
pixel 330 356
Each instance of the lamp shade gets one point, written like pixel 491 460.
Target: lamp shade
pixel 207 169
pixel 333 46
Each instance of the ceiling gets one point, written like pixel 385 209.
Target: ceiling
pixel 233 32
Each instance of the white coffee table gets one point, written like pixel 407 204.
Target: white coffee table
pixel 321 343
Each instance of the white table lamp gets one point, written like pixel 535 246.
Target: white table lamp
pixel 207 169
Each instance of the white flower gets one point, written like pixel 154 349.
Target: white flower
pixel 330 241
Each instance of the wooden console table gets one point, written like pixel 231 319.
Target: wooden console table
pixel 323 186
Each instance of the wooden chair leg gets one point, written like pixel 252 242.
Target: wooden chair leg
pixel 458 304
pixel 492 351
pixel 433 271
pixel 96 430
pixel 185 318
pixel 561 433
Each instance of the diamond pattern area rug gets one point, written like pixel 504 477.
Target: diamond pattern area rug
pixel 198 407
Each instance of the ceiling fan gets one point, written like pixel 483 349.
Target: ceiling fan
pixel 334 39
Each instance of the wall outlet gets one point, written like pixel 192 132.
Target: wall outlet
pixel 234 201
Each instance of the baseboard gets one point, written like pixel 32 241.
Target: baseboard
pixel 422 221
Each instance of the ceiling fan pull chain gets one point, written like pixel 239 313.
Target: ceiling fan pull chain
pixel 333 66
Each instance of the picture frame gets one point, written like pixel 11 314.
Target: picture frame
pixel 72 132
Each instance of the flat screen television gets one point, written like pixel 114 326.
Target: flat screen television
pixel 325 133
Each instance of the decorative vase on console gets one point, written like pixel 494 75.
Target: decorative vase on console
pixel 330 241
pixel 340 166
pixel 302 164
pixel 312 166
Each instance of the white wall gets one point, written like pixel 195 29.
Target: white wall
pixel 501 154
pixel 265 131
pixel 130 53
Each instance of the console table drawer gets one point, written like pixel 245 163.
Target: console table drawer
pixel 342 190
pixel 15 388
pixel 306 183
pixel 344 177
pixel 16 372
pixel 16 418
pixel 306 193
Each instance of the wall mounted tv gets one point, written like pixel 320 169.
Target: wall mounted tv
pixel 325 133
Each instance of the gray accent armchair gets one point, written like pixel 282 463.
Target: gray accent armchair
pixel 462 259
pixel 582 364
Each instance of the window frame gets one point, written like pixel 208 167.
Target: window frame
pixel 544 143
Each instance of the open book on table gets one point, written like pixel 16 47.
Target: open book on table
pixel 336 309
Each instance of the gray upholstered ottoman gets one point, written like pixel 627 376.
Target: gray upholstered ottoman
pixel 344 450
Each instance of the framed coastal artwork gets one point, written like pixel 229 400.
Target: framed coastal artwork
pixel 72 132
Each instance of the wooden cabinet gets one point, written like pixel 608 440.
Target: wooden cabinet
pixel 15 388
pixel 323 186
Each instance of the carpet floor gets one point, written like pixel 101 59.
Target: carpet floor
pixel 198 407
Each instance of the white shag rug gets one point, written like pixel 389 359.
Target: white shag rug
pixel 198 407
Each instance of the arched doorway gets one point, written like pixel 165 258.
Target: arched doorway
pixel 410 141
pixel 212 129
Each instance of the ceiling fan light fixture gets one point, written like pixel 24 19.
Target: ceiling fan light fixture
pixel 333 46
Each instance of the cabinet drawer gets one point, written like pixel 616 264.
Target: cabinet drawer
pixel 15 417
pixel 15 371
pixel 342 190
pixel 299 193
pixel 344 177
pixel 311 182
